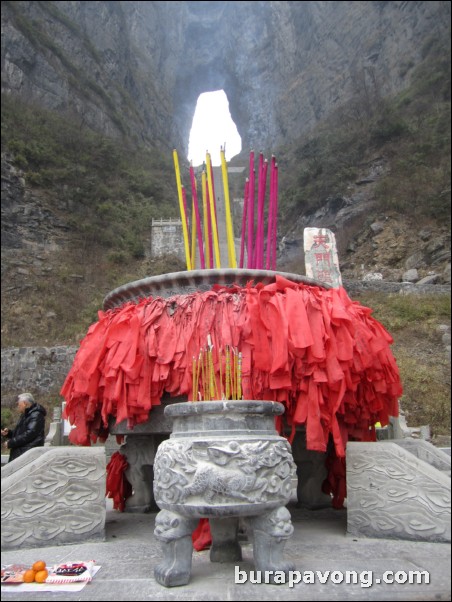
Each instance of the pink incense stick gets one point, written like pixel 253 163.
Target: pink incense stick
pixel 260 212
pixel 275 217
pixel 270 214
pixel 197 217
pixel 250 217
pixel 245 207
pixel 257 248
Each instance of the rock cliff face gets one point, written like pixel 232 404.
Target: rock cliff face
pixel 137 68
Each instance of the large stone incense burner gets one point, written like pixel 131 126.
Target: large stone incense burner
pixel 231 335
pixel 223 460
pixel 143 439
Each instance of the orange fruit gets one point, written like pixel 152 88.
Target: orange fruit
pixel 41 576
pixel 29 576
pixel 39 565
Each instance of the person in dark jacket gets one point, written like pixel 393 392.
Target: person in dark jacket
pixel 29 431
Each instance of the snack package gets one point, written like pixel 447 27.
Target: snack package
pixel 13 573
pixel 71 572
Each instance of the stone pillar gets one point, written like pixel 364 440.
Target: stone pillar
pixel 321 259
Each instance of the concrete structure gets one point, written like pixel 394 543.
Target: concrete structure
pixel 311 472
pixel 167 238
pixel 53 496
pixel 391 493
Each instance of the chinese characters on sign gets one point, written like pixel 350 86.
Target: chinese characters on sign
pixel 321 259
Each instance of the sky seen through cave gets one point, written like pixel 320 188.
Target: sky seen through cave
pixel 213 128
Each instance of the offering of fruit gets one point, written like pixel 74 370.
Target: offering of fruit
pixel 29 576
pixel 41 576
pixel 37 574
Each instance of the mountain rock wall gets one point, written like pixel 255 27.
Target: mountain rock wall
pixel 137 68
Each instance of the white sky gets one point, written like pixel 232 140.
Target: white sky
pixel 212 127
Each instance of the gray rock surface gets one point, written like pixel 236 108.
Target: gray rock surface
pixel 140 61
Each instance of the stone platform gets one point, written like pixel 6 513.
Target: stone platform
pixel 319 543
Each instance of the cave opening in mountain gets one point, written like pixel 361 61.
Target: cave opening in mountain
pixel 213 128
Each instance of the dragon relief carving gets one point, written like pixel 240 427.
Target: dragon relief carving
pixel 247 472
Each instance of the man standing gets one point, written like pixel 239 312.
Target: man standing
pixel 29 431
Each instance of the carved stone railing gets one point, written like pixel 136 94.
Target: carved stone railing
pixel 53 496
pixel 393 494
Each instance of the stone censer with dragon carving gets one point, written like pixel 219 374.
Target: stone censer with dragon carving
pixel 224 460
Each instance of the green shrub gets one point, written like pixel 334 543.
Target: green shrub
pixel 7 418
pixel 117 257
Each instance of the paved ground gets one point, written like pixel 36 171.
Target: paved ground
pixel 319 543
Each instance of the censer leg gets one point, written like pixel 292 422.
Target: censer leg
pixel 271 531
pixel 174 532
pixel 225 547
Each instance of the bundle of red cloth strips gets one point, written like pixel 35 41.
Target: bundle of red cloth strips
pixel 320 354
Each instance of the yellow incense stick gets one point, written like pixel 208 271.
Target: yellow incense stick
pixel 203 373
pixel 220 359
pixel 239 376
pixel 208 381
pixel 228 368
pixel 213 217
pixel 193 376
pixel 197 380
pixel 211 375
pixel 205 209
pixel 182 210
pixel 229 226
pixel 233 379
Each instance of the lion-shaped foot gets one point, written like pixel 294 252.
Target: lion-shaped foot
pixel 174 533
pixel 271 531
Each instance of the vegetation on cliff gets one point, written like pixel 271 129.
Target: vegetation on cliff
pixel 411 131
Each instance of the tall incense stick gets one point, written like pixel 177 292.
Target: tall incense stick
pixel 250 217
pixel 182 211
pixel 194 193
pixel 245 210
pixel 229 226
pixel 212 211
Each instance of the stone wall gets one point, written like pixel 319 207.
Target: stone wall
pixel 35 369
pixel 167 238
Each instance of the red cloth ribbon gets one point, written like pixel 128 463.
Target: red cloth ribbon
pixel 117 486
pixel 201 536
